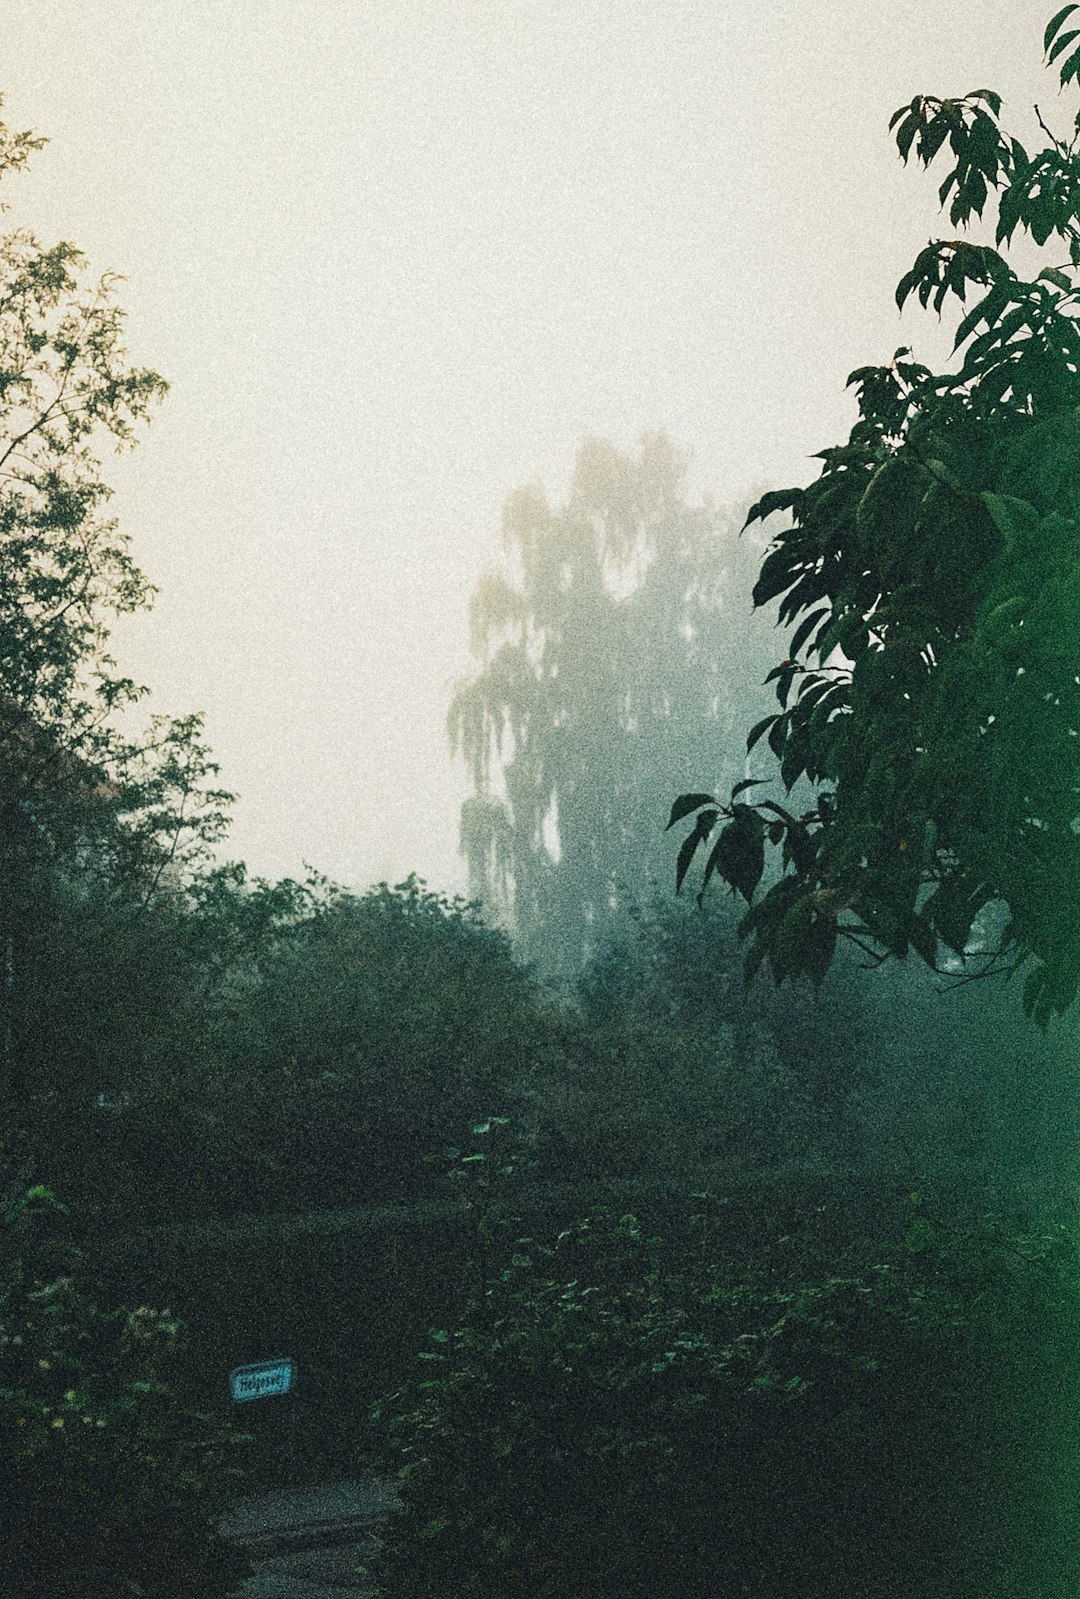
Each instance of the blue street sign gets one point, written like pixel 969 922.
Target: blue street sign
pixel 265 1377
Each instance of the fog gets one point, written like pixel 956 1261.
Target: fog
pixel 398 259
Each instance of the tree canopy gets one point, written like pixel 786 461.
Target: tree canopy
pixel 931 576
pixel 68 390
pixel 610 649
pixel 106 830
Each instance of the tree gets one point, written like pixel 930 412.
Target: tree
pixel 931 575
pixel 90 815
pixel 378 1021
pixel 611 647
pixel 671 1074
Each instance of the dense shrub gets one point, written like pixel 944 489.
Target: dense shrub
pixel 109 1487
pixel 383 1019
pixel 673 1070
pixel 618 1416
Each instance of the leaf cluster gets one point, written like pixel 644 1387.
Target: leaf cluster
pixel 110 1485
pixel 929 697
pixel 615 1413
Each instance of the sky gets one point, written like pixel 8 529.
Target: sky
pixel 398 258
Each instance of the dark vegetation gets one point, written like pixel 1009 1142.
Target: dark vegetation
pixel 820 1400
pixel 929 688
pixel 669 1283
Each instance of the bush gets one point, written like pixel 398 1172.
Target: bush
pixel 109 1487
pixel 615 1415
pixel 375 1024
pixel 677 1073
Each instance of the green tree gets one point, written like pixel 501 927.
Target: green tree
pixel 678 1077
pixel 611 646
pixel 375 1023
pixel 91 815
pixel 931 575
pixel 122 1010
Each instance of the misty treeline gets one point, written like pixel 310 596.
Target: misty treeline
pixel 182 1042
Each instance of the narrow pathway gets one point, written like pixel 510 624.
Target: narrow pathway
pixel 305 1543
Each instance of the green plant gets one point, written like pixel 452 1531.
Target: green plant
pixel 110 1487
pixel 620 1414
pixel 930 578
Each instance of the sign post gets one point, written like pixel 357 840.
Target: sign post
pixel 260 1380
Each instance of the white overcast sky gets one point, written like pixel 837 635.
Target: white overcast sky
pixel 397 257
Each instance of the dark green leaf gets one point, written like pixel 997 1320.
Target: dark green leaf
pixel 1016 520
pixel 986 310
pixel 992 99
pixel 947 187
pixel 775 500
pixel 1061 43
pixel 905 286
pixel 932 138
pixel 775 577
pixel 810 588
pixel 739 853
pixel 843 635
pixel 702 828
pixel 1055 23
pixel 799 848
pixel 782 676
pixel 778 734
pixel 793 763
pixel 758 729
pixel 905 135
pixel 805 628
pixel 1055 276
pixel 687 803
pixel 814 687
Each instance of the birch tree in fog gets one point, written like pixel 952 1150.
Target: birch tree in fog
pixel 612 646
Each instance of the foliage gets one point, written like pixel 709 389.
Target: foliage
pixel 930 576
pixel 672 1073
pixel 379 1020
pixel 962 1086
pixel 615 1414
pixel 110 1488
pixel 119 1014
pixel 609 647
pixel 91 814
pixel 66 391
